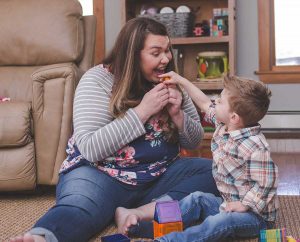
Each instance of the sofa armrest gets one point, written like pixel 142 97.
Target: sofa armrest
pixel 52 106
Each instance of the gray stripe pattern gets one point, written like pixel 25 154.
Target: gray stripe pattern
pixel 98 135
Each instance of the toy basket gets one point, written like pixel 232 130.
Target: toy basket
pixel 178 24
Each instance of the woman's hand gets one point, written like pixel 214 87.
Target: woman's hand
pixel 174 106
pixel 172 79
pixel 153 102
pixel 199 98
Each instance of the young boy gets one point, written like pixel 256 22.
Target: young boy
pixel 243 170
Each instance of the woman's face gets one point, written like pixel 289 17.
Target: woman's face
pixel 155 56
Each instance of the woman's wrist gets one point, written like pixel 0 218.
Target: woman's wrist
pixel 141 114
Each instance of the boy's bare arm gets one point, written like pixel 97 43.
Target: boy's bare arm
pixel 199 98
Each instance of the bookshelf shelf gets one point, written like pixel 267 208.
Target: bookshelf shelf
pixel 199 40
pixel 206 85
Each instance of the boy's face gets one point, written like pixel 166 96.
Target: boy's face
pixel 223 111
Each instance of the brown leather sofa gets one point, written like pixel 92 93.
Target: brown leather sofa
pixel 45 47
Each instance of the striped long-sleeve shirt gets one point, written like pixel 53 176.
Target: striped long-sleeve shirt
pixel 99 137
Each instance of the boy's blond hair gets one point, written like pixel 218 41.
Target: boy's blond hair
pixel 248 98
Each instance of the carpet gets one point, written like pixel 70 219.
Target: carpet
pixel 19 212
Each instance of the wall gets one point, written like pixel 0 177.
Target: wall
pixel 285 96
pixel 112 15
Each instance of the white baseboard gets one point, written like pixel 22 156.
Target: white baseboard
pixel 284 145
pixel 281 120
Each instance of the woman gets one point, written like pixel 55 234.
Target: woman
pixel 128 130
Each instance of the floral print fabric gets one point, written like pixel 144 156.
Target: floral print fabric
pixel 139 162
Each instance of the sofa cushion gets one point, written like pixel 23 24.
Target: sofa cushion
pixel 15 124
pixel 50 32
pixel 17 168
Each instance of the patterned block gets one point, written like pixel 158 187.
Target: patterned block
pixel 161 229
pixel 167 212
pixel 273 235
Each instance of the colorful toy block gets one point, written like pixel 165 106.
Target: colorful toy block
pixel 273 235
pixel 167 218
pixel 291 239
pixel 115 238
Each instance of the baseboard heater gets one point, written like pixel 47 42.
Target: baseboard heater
pixel 282 123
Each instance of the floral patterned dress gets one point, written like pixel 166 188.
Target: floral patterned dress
pixel 140 162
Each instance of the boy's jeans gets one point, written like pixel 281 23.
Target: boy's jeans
pixel 215 225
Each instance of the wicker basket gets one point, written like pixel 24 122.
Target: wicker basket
pixel 178 24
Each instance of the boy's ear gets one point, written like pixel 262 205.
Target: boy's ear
pixel 235 118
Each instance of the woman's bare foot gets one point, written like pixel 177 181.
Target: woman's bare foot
pixel 125 218
pixel 28 238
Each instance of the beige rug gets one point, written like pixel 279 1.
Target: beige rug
pixel 19 212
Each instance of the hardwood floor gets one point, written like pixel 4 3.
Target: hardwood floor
pixel 289 172
pixel 285 153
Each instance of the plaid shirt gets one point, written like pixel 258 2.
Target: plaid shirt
pixel 243 169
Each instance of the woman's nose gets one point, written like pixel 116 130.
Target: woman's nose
pixel 165 59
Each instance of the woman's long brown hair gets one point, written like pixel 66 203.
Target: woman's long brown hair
pixel 124 62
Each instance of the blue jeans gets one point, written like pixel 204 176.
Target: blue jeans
pixel 86 198
pixel 215 225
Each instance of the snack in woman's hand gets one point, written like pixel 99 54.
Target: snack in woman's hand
pixel 166 78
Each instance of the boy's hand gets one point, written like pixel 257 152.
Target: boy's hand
pixel 236 206
pixel 199 98
pixel 171 78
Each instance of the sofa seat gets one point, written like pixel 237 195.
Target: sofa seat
pixel 17 157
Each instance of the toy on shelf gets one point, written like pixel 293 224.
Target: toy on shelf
pixel 167 218
pixel 212 65
pixel 219 23
pixel 115 238
pixel 202 29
